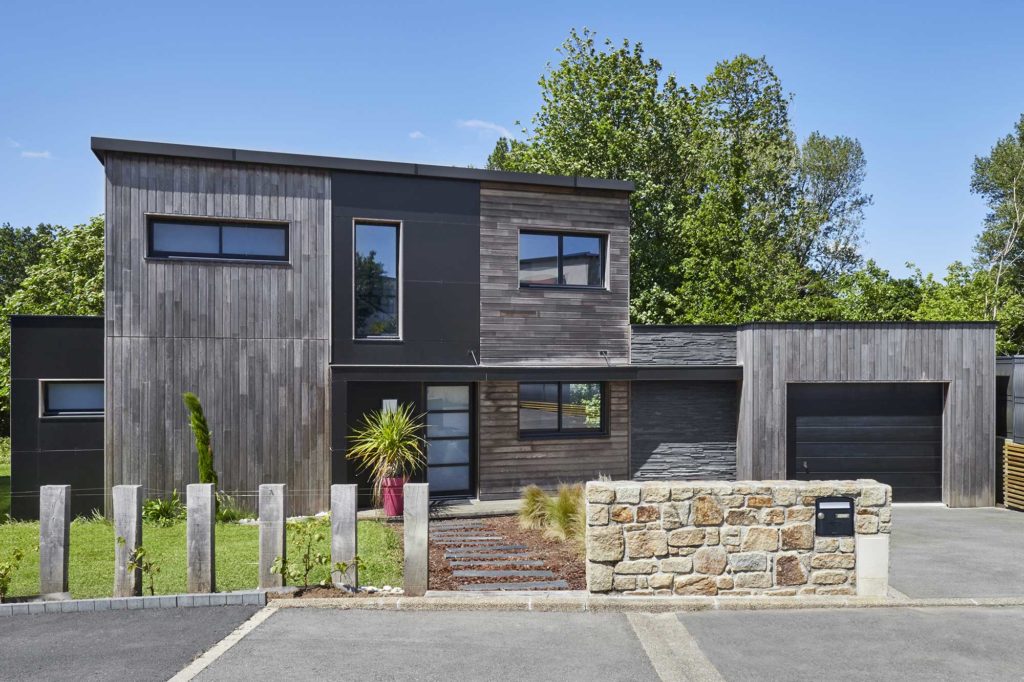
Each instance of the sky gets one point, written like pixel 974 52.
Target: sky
pixel 924 86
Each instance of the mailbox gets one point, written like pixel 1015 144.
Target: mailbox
pixel 833 516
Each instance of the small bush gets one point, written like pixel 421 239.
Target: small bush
pixel 565 512
pixel 8 567
pixel 533 512
pixel 163 512
pixel 229 510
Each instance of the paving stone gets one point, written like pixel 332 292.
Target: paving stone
pixel 485 555
pixel 502 574
pixel 481 550
pixel 499 562
pixel 549 585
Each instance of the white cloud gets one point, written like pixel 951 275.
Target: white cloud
pixel 416 135
pixel 36 155
pixel 13 143
pixel 485 127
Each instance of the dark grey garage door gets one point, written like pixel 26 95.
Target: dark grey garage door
pixel 889 432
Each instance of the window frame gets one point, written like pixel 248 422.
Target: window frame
pixel 399 225
pixel 559 432
pixel 220 223
pixel 46 413
pixel 602 237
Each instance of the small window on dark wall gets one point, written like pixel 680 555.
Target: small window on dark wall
pixel 557 259
pixel 376 286
pixel 174 238
pixel 558 408
pixel 71 398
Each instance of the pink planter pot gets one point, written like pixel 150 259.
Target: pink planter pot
pixel 393 496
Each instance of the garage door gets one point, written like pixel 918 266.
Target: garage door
pixel 889 432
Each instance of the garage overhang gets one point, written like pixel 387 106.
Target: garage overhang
pixel 539 373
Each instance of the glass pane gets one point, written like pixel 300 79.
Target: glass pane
pixel 447 397
pixel 376 280
pixel 185 238
pixel 581 406
pixel 74 397
pixel 581 261
pixel 255 241
pixel 448 479
pixel 447 452
pixel 538 407
pixel 538 258
pixel 447 424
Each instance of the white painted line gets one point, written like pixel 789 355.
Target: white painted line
pixel 671 648
pixel 220 648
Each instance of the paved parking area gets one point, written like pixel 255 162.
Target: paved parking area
pixel 940 552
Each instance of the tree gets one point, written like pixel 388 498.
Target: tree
pixel 201 432
pixel 20 248
pixel 872 294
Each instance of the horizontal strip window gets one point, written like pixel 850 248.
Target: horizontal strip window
pixel 187 238
pixel 71 397
pixel 553 259
pixel 561 409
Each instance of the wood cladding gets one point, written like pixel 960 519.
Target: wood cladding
pixel 551 325
pixel 507 463
pixel 250 339
pixel 1013 475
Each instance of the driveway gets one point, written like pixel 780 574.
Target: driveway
pixel 940 552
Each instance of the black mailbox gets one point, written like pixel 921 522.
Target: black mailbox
pixel 833 516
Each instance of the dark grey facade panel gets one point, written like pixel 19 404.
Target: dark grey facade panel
pixel 683 345
pixel 54 450
pixel 683 430
pixel 439 267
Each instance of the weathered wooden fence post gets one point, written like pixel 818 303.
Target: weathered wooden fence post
pixel 54 538
pixel 416 522
pixel 127 538
pixel 344 545
pixel 200 518
pixel 272 532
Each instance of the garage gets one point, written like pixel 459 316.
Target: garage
pixel 891 432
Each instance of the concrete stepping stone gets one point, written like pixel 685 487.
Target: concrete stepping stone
pixel 454 526
pixel 502 574
pixel 478 563
pixel 466 537
pixel 486 555
pixel 472 543
pixel 541 585
pixel 453 553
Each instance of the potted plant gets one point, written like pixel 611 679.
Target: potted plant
pixel 389 446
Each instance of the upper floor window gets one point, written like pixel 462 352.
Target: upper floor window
pixel 375 285
pixel 70 398
pixel 187 238
pixel 561 259
pixel 561 408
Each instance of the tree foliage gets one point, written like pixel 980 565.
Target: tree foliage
pixel 201 433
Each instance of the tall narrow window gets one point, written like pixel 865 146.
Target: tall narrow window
pixel 561 260
pixel 376 283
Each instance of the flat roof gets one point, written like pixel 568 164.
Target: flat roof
pixel 100 145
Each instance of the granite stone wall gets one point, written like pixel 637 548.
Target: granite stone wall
pixel 732 538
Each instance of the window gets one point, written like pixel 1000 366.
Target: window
pixel 566 260
pixel 171 238
pixel 375 283
pixel 71 398
pixel 558 408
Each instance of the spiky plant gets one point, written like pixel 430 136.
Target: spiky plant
pixel 388 444
pixel 565 511
pixel 533 511
pixel 201 431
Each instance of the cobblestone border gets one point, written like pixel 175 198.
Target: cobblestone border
pixel 166 601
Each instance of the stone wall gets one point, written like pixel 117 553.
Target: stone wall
pixel 733 538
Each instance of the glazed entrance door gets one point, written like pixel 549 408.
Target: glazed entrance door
pixel 449 435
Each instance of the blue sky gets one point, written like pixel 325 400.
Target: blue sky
pixel 924 86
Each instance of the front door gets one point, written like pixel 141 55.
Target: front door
pixel 449 435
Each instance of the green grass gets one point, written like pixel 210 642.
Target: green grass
pixel 91 571
pixel 5 478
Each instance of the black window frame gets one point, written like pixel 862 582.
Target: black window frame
pixel 220 224
pixel 600 236
pixel 399 226
pixel 560 432
pixel 44 399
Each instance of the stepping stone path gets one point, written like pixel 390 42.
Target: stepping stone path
pixel 472 550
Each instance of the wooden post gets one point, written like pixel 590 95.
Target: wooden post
pixel 272 532
pixel 416 524
pixel 344 546
pixel 54 538
pixel 200 519
pixel 127 538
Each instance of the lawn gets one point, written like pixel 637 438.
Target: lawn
pixel 5 478
pixel 91 572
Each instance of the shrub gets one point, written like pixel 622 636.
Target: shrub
pixel 8 567
pixel 163 512
pixel 229 510
pixel 141 561
pixel 533 512
pixel 201 431
pixel 388 444
pixel 566 510
pixel 310 561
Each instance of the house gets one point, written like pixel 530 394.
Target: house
pixel 295 293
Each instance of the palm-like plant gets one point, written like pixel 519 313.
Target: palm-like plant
pixel 388 444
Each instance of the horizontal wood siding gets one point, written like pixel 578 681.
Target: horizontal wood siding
pixel 251 340
pixel 962 355
pixel 507 464
pixel 683 345
pixel 551 325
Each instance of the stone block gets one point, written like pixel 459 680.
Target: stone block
pixel 725 582
pixel 272 532
pixel 627 494
pixel 655 493
pixel 622 583
pixel 680 492
pixel 760 540
pixel 707 512
pixel 677 565
pixel 759 501
pixel 597 514
pixel 873 496
pixel 674 515
pixel 784 496
pixel 753 580
pixel 800 513
pixel 798 536
pixel 748 561
pixel 709 560
pixel 599 577
pixel 695 585
pixel 647 513
pixel 54 537
pixel 865 523
pixel 686 537
pixel 416 521
pixel 835 591
pixel 832 561
pixel 660 581
pixel 344 539
pixel 622 513
pixel 741 517
pixel 640 567
pixel 789 570
pixel 731 501
pixel 711 536
pixel 773 517
pixel 200 520
pixel 826 544
pixel 846 544
pixel 829 577
pixel 646 543
pixel 600 494
pixel 730 537
pixel 605 544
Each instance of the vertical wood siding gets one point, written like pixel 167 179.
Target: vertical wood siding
pixel 251 340
pixel 551 326
pixel 507 464
pixel 960 355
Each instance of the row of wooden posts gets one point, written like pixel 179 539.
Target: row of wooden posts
pixel 55 536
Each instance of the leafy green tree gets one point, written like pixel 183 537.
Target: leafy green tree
pixel 20 247
pixel 871 293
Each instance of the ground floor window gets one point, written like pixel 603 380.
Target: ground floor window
pixel 561 409
pixel 71 398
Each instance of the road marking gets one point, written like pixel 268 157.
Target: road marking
pixel 220 648
pixel 671 648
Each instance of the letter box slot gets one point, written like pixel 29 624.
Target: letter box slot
pixel 833 516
